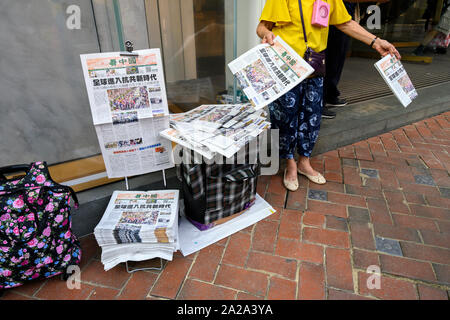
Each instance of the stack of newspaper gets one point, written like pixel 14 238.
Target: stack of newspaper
pixel 212 129
pixel 139 226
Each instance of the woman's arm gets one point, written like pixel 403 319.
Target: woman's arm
pixel 264 31
pixel 354 30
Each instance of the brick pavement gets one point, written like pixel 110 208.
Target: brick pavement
pixel 386 204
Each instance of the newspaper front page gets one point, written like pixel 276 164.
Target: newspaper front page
pixel 137 216
pixel 128 101
pixel 139 226
pixel 118 85
pixel 267 72
pixel 393 72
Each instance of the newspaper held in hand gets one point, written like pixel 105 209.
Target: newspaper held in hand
pixel 137 226
pixel 393 72
pixel 267 72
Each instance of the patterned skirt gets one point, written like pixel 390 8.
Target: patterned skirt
pixel 297 115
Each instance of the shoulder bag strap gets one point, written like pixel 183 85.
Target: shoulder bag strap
pixel 62 188
pixel 303 22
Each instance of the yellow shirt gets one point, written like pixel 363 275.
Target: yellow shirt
pixel 288 25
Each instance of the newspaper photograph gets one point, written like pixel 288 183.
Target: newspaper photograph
pixel 133 147
pixel 118 85
pixel 267 72
pixel 394 74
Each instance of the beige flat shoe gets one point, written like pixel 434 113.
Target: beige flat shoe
pixel 319 179
pixel 290 185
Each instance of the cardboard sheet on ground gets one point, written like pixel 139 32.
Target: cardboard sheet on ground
pixel 192 239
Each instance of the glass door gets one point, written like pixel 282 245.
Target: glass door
pixel 196 40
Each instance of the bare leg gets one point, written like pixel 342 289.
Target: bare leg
pixel 305 166
pixel 291 170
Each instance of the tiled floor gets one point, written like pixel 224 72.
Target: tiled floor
pixel 386 204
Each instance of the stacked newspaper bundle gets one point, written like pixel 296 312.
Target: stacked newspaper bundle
pixel 139 226
pixel 211 129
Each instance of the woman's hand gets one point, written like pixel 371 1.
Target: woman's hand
pixel 268 38
pixel 384 47
pixel 264 31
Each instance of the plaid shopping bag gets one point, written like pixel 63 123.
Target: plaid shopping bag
pixel 215 191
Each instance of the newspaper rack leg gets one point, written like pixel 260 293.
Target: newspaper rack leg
pixel 144 269
pixel 164 178
pixel 160 259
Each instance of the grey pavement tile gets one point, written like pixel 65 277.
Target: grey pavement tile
pixel 445 192
pixel 371 173
pixel 318 195
pixel 426 180
pixel 388 246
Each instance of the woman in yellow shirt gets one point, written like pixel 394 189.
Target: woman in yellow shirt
pixel 297 114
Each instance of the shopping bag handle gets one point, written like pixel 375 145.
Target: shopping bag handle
pixel 12 169
pixel 246 167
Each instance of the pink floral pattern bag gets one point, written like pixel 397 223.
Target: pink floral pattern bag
pixel 36 239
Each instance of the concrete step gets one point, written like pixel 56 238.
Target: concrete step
pixel 366 119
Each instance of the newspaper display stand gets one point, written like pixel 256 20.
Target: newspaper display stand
pixel 128 100
pixel 129 270
pixel 128 53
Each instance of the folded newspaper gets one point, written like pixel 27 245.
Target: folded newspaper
pixel 267 72
pixel 216 129
pixel 393 72
pixel 138 226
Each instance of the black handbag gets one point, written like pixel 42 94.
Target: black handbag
pixel 313 58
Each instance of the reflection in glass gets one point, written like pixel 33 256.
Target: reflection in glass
pixel 193 43
pixel 412 26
